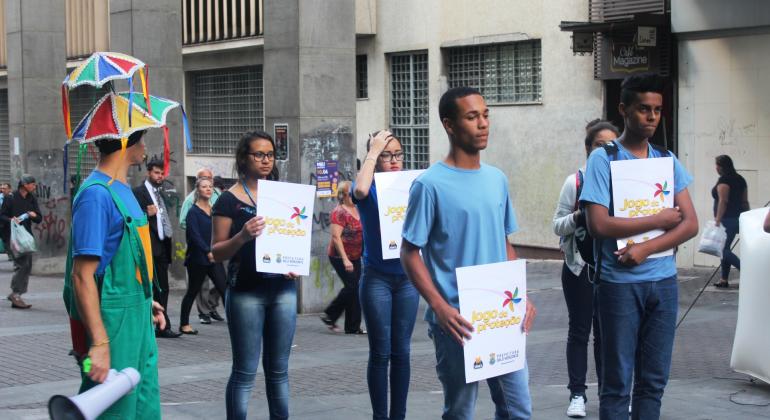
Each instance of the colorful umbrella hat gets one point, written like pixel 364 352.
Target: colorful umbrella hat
pixel 102 67
pixel 97 70
pixel 109 118
pixel 117 116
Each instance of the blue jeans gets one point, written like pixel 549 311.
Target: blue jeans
pixel 269 312
pixel 637 321
pixel 728 257
pixel 510 392
pixel 389 303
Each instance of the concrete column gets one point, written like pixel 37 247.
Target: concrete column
pixel 36 68
pixel 150 30
pixel 309 83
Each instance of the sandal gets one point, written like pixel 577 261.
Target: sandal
pixel 191 331
pixel 722 285
pixel 329 323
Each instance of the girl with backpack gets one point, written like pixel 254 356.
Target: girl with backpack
pixel 569 224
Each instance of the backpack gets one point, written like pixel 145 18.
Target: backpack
pixel 586 244
pixel 583 240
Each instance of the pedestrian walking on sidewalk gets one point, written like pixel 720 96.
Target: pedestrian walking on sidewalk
pixel 459 215
pixel 20 207
pixel 261 307
pixel 344 253
pixel 731 198
pixel 576 281
pixel 388 300
pixel 637 296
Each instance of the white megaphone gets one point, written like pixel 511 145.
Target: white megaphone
pixel 90 404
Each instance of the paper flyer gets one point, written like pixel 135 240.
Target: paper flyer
pixel 392 198
pixel 326 178
pixel 284 245
pixel 642 187
pixel 493 299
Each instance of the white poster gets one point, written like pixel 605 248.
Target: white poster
pixel 392 197
pixel 642 187
pixel 284 245
pixel 752 342
pixel 493 298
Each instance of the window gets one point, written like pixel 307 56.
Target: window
pixel 362 89
pixel 225 104
pixel 409 107
pixel 5 142
pixel 504 73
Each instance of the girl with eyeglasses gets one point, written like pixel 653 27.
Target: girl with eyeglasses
pixel 261 307
pixel 388 299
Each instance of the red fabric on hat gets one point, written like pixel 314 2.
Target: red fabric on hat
pixel 123 64
pixel 102 121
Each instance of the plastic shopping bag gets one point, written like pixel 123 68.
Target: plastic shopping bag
pixel 713 240
pixel 22 242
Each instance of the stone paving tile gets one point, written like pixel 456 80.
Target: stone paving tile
pixel 702 347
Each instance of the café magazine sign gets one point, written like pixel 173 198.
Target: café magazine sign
pixel 621 56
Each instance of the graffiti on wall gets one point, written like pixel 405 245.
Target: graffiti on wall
pixel 323 276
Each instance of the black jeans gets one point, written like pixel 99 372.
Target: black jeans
pixel 196 274
pixel 347 299
pixel 728 257
pixel 161 279
pixel 579 294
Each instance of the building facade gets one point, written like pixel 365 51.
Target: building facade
pixel 723 106
pixel 322 75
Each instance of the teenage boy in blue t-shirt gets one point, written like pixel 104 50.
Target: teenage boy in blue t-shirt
pixel 637 297
pixel 459 215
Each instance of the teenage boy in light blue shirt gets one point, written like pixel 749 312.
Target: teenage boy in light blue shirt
pixel 637 297
pixel 460 214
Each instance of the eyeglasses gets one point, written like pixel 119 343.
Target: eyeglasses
pixel 388 157
pixel 261 156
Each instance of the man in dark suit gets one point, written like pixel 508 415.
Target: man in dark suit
pixel 150 197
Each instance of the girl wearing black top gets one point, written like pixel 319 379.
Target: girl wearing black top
pixel 199 261
pixel 261 308
pixel 730 200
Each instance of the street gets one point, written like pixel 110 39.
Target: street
pixel 328 371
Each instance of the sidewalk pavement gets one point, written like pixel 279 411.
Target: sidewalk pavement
pixel 328 371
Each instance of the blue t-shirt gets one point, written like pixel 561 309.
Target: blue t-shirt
pixel 370 221
pixel 97 226
pixel 596 189
pixel 459 218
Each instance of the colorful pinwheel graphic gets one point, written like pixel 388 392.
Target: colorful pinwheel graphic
pixel 512 298
pixel 662 190
pixel 299 214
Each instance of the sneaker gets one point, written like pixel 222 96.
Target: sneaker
pixel 215 316
pixel 577 406
pixel 204 319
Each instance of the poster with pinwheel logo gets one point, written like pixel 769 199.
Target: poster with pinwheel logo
pixel 284 245
pixel 493 298
pixel 392 199
pixel 642 188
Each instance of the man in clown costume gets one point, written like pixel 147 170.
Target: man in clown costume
pixel 108 289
